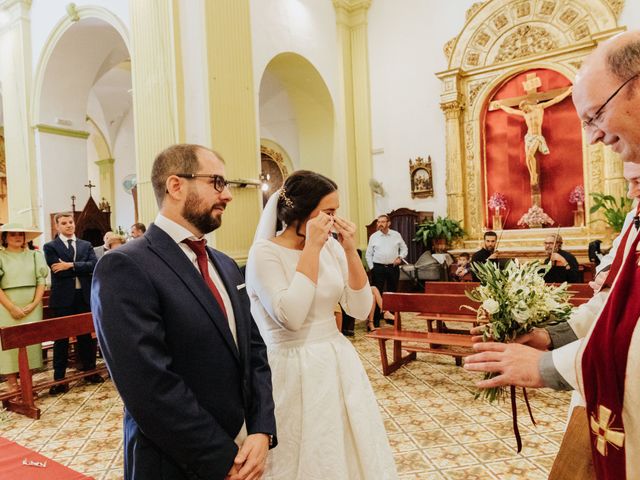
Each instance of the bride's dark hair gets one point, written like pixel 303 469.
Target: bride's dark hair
pixel 300 195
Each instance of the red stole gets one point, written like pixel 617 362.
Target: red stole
pixel 604 364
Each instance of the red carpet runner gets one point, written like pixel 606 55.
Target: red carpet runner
pixel 20 463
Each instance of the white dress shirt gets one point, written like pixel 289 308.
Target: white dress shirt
pixel 384 248
pixel 65 240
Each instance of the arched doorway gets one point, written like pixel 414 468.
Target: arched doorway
pixel 297 112
pixel 83 115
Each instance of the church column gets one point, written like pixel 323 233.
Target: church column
pixel 15 77
pixel 157 88
pixel 232 114
pixel 107 184
pixel 351 18
pixel 455 178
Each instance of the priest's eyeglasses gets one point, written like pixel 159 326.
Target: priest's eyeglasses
pixel 595 119
pixel 218 181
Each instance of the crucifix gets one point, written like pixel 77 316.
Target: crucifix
pixel 531 107
pixel 90 186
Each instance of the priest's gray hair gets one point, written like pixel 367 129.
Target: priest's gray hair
pixel 624 62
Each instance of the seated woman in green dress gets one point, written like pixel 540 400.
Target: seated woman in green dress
pixel 22 279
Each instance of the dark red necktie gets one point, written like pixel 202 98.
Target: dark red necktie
pixel 200 249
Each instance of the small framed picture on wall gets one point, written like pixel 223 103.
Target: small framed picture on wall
pixel 421 177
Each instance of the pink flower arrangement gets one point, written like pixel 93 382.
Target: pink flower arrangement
pixel 497 201
pixel 535 218
pixel 577 195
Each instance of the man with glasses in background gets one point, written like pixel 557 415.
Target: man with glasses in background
pixel 607 360
pixel 173 319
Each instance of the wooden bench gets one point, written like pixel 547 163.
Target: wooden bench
pixel 580 290
pixel 21 336
pixel 432 307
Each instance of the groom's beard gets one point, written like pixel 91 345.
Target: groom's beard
pixel 201 216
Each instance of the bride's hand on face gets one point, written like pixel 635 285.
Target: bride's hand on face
pixel 346 233
pixel 318 230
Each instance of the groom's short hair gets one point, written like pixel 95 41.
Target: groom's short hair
pixel 179 158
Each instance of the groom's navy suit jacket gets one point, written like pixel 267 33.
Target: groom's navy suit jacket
pixel 186 387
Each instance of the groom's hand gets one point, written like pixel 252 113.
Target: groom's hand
pixel 250 461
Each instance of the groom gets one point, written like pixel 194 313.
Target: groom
pixel 172 317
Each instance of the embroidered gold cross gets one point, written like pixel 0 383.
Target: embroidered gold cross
pixel 604 434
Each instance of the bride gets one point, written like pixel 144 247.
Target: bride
pixel 328 421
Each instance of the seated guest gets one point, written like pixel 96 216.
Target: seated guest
pixel 137 230
pixel 487 252
pixel 22 277
pixel 114 242
pixel 564 265
pixel 102 249
pixel 463 268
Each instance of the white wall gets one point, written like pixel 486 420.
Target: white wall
pixel 631 15
pixel 277 117
pixel 124 154
pixel 405 51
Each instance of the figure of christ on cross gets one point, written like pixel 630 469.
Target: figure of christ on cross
pixel 532 107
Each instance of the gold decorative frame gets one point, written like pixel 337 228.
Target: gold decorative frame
pixel 421 175
pixel 500 39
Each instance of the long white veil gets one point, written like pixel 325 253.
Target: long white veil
pixel 268 220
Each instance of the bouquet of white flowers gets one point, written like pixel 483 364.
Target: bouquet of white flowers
pixel 514 301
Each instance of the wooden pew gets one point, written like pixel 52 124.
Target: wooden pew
pixel 21 336
pixel 432 308
pixel 581 290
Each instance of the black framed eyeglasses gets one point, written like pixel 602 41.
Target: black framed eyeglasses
pixel 596 116
pixel 219 182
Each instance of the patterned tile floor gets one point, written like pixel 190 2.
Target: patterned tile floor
pixel 436 428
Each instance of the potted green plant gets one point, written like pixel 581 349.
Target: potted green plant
pixel 614 211
pixel 438 234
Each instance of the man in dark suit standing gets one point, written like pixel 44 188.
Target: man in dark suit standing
pixel 174 324
pixel 71 261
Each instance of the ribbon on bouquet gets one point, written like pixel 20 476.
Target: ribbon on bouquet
pixel 514 414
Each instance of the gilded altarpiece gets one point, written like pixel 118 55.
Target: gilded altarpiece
pixel 500 40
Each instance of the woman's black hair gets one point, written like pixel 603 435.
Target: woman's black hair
pixel 301 194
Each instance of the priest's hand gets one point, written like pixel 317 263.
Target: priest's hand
pixel 514 363
pixel 250 460
pixel 597 282
pixel 538 338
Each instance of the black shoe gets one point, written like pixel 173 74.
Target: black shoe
pixel 58 389
pixel 95 378
pixel 349 333
pixel 389 322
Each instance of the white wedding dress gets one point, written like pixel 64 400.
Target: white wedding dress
pixel 327 418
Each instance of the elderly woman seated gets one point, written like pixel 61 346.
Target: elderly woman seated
pixel 114 242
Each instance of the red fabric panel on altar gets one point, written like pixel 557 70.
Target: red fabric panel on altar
pixel 505 168
pixel 12 465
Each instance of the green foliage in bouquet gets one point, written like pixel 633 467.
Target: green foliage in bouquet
pixel 514 301
pixel 614 211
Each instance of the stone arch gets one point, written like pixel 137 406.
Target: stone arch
pixel 82 110
pixel 306 115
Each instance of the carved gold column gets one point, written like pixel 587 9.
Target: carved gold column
pixel 455 156
pixel 157 89
pixel 233 117
pixel 15 77
pixel 107 183
pixel 351 18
